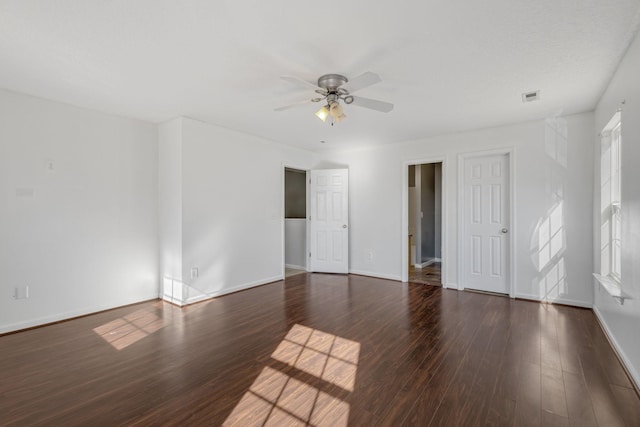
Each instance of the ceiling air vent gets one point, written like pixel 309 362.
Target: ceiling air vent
pixel 531 96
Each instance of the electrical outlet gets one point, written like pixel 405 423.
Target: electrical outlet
pixel 21 292
pixel 194 272
pixel 370 256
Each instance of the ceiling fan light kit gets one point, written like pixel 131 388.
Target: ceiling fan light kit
pixel 335 110
pixel 323 113
pixel 336 87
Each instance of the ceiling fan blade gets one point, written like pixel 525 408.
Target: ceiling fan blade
pixel 296 105
pixel 372 104
pixel 362 81
pixel 300 82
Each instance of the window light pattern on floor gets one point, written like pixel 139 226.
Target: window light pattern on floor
pixel 123 332
pixel 276 398
pixel 133 327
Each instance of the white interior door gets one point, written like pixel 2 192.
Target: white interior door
pixel 329 221
pixel 486 223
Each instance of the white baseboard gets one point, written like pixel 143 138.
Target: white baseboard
pixel 196 299
pixel 232 289
pixel 427 263
pixel 635 377
pixel 203 296
pixel 565 301
pixel 376 275
pixel 295 267
pixel 453 286
pixel 67 315
pixel 172 300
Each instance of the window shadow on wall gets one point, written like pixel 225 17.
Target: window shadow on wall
pixel 549 240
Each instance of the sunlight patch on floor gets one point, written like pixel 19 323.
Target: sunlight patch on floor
pixel 123 332
pixel 331 358
pixel 276 398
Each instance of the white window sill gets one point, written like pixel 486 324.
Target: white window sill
pixel 612 287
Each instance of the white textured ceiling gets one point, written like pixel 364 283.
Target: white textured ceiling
pixel 446 65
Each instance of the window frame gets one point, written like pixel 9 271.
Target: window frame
pixel 612 141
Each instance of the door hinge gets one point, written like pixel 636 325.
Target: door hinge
pixel 309 254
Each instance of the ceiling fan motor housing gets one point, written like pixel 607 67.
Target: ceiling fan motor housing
pixel 331 81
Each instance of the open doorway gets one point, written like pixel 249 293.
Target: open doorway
pixel 425 223
pixel 295 221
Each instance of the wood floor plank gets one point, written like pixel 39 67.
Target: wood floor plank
pixel 451 410
pixel 549 347
pixel 579 406
pixel 450 343
pixel 479 400
pixel 553 420
pixel 605 405
pixel 432 396
pixel 528 400
pixel 320 349
pixel 628 404
pixel 501 412
pixel 553 392
pixel 527 414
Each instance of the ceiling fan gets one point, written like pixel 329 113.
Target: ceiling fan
pixel 334 88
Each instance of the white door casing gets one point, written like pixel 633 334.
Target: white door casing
pixel 486 212
pixel 329 221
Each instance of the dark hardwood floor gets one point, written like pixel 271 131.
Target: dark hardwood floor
pixel 320 350
pixel 429 275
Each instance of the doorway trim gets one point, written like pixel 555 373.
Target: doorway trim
pixel 510 153
pixel 283 168
pixel 405 215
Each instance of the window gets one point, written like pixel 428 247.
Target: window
pixel 610 195
pixel 616 234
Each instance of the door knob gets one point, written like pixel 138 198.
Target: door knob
pixel 344 226
pixel 504 231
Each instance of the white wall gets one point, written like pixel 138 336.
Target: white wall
pixel 232 207
pixel 82 235
pixel 622 321
pixel 553 168
pixel 170 209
